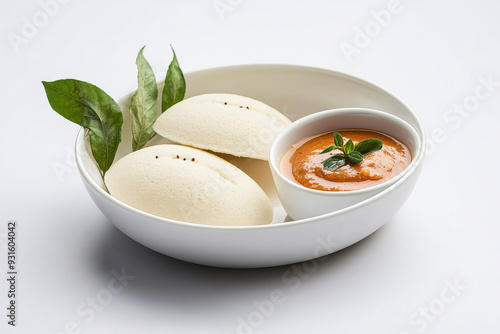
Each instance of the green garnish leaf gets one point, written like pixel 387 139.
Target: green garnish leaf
pixel 90 107
pixel 174 87
pixel 331 148
pixel 368 146
pixel 352 154
pixel 334 162
pixel 337 139
pixel 143 105
pixel 354 157
pixel 349 147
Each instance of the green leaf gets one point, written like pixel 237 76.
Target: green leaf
pixel 330 148
pixel 368 146
pixel 89 106
pixel 143 105
pixel 349 147
pixel 354 157
pixel 174 88
pixel 337 138
pixel 334 162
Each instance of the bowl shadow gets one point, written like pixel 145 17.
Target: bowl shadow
pixel 166 282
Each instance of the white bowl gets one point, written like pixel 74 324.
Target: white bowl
pixel 296 91
pixel 301 202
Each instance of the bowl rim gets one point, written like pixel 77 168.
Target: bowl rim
pixel 80 139
pixel 327 114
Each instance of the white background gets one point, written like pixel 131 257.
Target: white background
pixel 433 268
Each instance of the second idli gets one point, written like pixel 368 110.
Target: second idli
pixel 225 123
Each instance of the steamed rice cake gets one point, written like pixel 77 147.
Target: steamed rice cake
pixel 189 185
pixel 225 123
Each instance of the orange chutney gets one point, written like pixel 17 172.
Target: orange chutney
pixel 304 165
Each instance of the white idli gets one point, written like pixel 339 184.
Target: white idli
pixel 224 123
pixel 189 185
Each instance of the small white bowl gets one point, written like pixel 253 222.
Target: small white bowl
pixel 301 202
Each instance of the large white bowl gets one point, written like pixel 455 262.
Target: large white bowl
pixel 296 91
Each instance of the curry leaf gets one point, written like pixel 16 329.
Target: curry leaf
pixel 337 138
pixel 368 146
pixel 354 157
pixel 331 148
pixel 334 162
pixel 143 105
pixel 174 87
pixel 352 154
pixel 349 147
pixel 90 107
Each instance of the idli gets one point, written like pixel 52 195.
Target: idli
pixel 190 185
pixel 224 123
